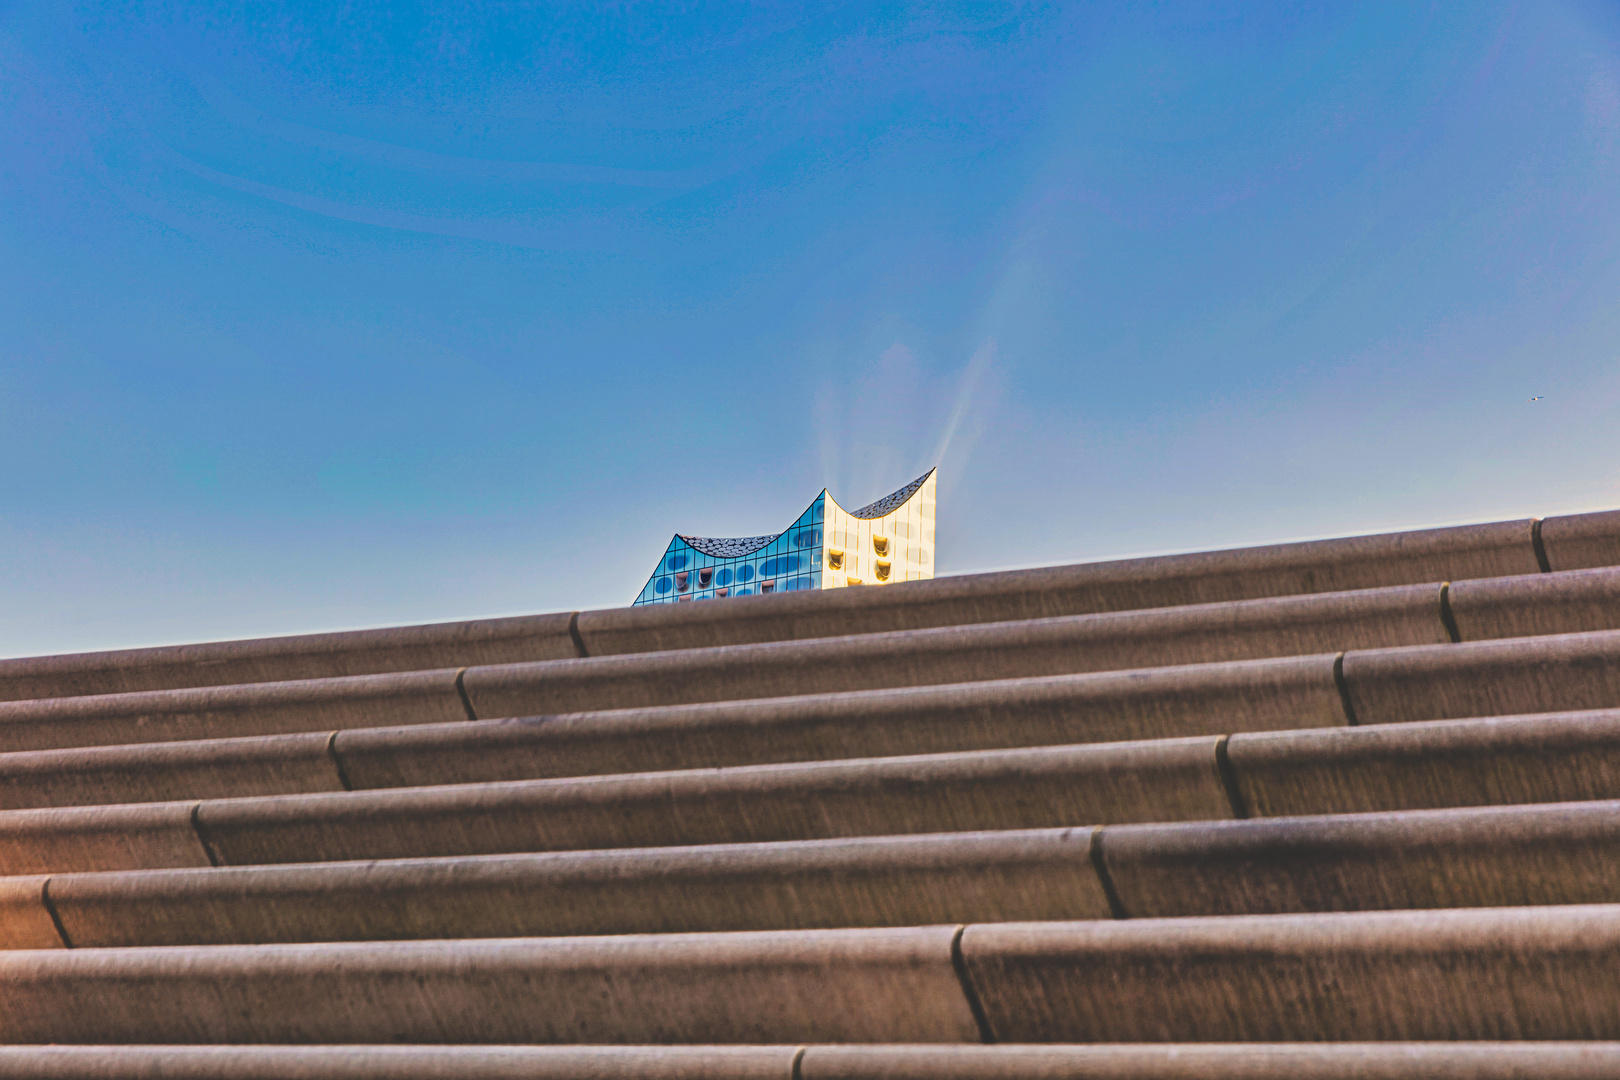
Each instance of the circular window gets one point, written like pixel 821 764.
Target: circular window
pixel 745 572
pixel 664 585
pixel 676 562
pixel 723 577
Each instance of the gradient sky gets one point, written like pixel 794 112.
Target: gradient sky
pixel 328 316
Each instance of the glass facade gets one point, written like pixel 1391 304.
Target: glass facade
pixel 828 547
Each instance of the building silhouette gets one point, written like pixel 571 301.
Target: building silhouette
pixel 828 547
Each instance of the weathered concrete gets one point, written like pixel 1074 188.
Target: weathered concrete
pixel 1102 707
pixel 1574 601
pixel 417 697
pixel 814 985
pixel 1043 787
pixel 1560 853
pixel 1485 678
pixel 25 921
pixel 876 881
pixel 1490 550
pixel 1491 973
pixel 1357 562
pixel 284 659
pixel 1480 678
pixel 1544 854
pixel 409 1062
pixel 751 816
pixel 1582 540
pixel 1198 699
pixel 1265 1061
pixel 1242 630
pixel 160 772
pixel 1550 757
pixel 99 838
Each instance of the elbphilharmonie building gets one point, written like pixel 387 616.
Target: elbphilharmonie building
pixel 828 547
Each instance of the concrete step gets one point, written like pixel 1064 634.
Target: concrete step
pixel 414 697
pixel 1479 857
pixel 1488 678
pixel 1008 807
pixel 293 658
pixel 1498 856
pixel 1488 761
pixel 1566 602
pixel 1455 554
pixel 162 772
pixel 1240 630
pixel 1207 1061
pixel 390 1062
pixel 824 884
pixel 1243 1061
pixel 1166 779
pixel 1383 684
pixel 1213 1061
pixel 1542 973
pixel 1201 699
pixel 1547 757
pixel 100 838
pixel 1484 678
pixel 895 985
pixel 1288 692
pixel 1363 562
pixel 1383 619
pixel 1490 973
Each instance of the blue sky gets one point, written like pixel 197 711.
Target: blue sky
pixel 330 316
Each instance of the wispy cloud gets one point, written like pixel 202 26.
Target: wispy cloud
pixel 975 393
pixel 897 416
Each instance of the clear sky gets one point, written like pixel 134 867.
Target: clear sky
pixel 342 315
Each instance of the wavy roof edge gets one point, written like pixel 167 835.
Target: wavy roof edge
pixel 1526 546
pixel 892 501
pixel 727 547
pixel 735 547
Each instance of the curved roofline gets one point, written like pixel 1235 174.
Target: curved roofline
pixel 727 547
pixel 736 547
pixel 890 502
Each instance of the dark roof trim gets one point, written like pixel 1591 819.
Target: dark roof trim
pixel 735 547
pixel 732 547
pixel 891 502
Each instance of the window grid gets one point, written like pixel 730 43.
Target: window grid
pixel 796 559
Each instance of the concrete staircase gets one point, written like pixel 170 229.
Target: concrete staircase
pixel 1345 808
